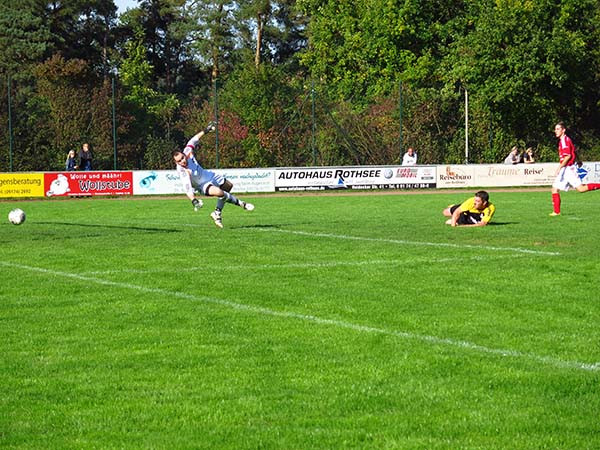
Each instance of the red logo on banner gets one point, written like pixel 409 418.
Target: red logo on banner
pixel 88 183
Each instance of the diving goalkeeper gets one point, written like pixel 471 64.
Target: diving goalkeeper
pixel 194 176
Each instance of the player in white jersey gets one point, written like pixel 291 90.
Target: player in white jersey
pixel 194 176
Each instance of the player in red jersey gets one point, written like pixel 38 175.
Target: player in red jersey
pixel 566 173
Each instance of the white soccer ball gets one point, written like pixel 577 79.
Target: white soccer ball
pixel 16 216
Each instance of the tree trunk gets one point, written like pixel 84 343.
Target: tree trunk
pixel 259 33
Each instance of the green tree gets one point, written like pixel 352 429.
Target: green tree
pixel 60 82
pixel 80 29
pixel 163 27
pixel 148 107
pixel 22 44
pixel 260 96
pixel 363 48
pixel 213 34
pixel 22 37
pixel 524 78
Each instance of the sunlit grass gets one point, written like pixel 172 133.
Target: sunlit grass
pixel 312 322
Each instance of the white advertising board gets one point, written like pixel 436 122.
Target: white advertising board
pixel 455 176
pixel 156 182
pixel 516 174
pixel 360 177
pixel 250 180
pixel 495 175
pixel 149 182
pixel 590 172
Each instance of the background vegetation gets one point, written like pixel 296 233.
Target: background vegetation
pixel 296 82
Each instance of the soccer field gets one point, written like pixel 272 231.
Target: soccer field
pixel 357 321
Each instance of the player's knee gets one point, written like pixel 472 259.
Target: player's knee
pixel 215 191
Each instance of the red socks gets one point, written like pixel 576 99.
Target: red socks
pixel 556 197
pixel 556 202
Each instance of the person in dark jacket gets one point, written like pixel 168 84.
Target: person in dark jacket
pixel 85 157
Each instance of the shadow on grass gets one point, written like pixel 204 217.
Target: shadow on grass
pixel 268 226
pixel 259 226
pixel 502 223
pixel 113 227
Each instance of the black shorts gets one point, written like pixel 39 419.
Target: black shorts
pixel 466 217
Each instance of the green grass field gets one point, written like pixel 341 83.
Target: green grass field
pixel 356 321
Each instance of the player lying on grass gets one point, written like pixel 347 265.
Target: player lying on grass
pixel 566 173
pixel 194 176
pixel 474 212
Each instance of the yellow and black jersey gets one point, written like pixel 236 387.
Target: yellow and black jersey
pixel 483 215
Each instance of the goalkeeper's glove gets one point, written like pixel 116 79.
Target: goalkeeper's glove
pixel 197 204
pixel 210 127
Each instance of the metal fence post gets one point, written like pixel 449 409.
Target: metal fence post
pixel 400 114
pixel 114 119
pixel 466 126
pixel 10 132
pixel 314 123
pixel 216 112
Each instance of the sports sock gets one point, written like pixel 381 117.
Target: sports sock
pixel 593 186
pixel 556 202
pixel 227 197
pixel 230 198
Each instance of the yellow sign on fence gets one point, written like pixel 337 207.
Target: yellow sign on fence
pixel 21 185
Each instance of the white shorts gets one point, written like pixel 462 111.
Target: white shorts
pixel 207 180
pixel 566 178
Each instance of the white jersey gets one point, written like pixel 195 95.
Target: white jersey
pixel 194 175
pixel 408 160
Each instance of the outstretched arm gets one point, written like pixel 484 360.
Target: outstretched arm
pixel 193 142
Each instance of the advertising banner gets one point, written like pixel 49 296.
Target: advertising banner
pixel 21 185
pixel 365 177
pixel 590 172
pixel 250 180
pixel 495 175
pixel 152 182
pixel 156 182
pixel 88 183
pixel 516 174
pixel 455 176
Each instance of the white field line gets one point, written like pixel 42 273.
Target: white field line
pixel 392 241
pixel 434 340
pixel 308 265
pixel 415 243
